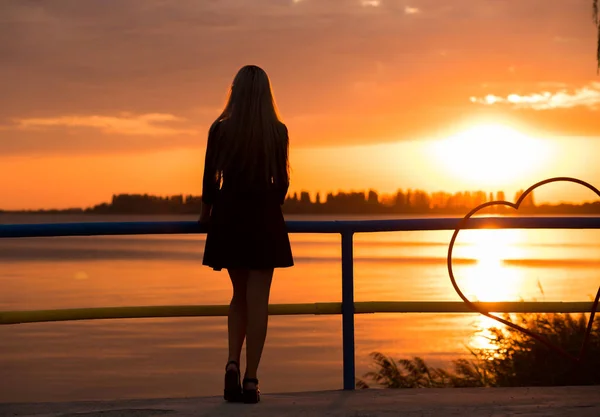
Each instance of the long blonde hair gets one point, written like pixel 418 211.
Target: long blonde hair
pixel 252 140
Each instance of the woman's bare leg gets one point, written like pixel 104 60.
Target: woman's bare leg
pixel 237 317
pixel 257 301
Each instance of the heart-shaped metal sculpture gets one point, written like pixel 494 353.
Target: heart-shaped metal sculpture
pixel 477 309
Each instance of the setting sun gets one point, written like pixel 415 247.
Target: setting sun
pixel 493 153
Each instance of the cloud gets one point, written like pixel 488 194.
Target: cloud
pixel 152 124
pixel 70 68
pixel 370 3
pixel 587 96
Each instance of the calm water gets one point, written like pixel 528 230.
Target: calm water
pixel 185 357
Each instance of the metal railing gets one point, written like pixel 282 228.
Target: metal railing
pixel 347 308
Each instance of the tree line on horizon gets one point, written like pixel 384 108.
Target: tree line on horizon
pixel 353 202
pixel 402 202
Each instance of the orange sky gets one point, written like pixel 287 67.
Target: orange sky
pixel 103 97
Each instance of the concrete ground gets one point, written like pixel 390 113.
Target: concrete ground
pixel 488 402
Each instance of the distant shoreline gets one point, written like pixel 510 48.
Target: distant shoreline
pixel 562 209
pixel 410 202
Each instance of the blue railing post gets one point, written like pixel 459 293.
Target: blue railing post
pixel 348 310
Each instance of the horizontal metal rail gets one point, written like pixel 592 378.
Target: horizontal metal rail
pixel 333 226
pixel 347 308
pixel 364 307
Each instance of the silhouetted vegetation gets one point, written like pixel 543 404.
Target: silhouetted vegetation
pixel 514 359
pixel 354 202
pixel 149 204
pixel 402 202
pixel 597 22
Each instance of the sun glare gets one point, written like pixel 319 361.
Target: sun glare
pixel 492 154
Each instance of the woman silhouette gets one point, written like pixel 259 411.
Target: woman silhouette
pixel 246 178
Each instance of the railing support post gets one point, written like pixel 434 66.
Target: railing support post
pixel 348 310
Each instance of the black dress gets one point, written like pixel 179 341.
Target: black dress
pixel 246 229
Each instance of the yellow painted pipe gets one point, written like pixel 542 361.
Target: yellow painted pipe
pixel 367 307
pixel 460 307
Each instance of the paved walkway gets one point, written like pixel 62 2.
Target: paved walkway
pixel 488 402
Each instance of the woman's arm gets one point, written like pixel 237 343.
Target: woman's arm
pixel 283 177
pixel 210 183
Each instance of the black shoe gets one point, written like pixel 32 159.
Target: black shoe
pixel 251 396
pixel 233 388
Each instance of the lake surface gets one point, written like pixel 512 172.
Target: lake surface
pixel 186 357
